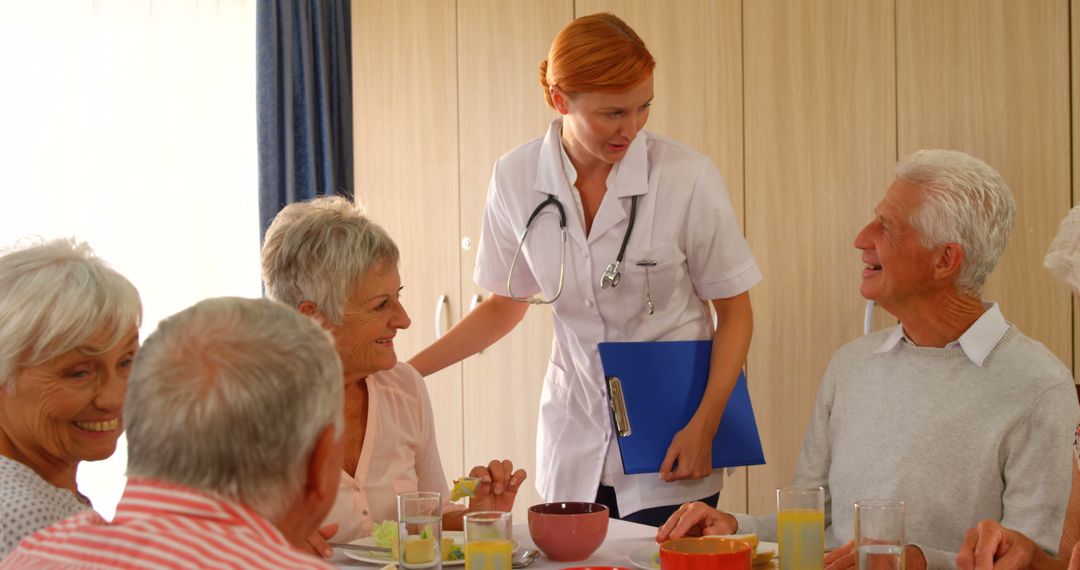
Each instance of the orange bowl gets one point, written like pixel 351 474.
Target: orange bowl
pixel 705 554
pixel 568 532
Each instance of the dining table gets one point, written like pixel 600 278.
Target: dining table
pixel 622 538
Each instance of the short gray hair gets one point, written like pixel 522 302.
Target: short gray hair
pixel 319 251
pixel 1063 257
pixel 229 396
pixel 965 201
pixel 54 297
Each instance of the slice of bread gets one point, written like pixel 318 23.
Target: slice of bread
pixel 750 539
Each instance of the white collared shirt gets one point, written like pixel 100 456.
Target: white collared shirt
pixel 977 342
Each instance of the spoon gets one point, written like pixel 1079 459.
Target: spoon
pixel 527 557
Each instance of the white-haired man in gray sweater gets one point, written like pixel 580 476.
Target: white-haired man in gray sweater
pixel 954 410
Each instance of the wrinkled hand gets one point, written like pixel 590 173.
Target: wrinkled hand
pixel 992 546
pixel 691 448
pixel 317 541
pixel 1074 561
pixel 696 519
pixel 498 486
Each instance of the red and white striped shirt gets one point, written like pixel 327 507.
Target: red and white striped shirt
pixel 162 526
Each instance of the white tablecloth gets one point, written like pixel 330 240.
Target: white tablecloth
pixel 622 538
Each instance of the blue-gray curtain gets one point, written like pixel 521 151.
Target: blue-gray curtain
pixel 304 89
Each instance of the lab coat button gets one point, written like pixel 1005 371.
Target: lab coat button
pixel 588 303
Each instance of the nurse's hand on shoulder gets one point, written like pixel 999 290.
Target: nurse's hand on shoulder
pixel 498 487
pixel 696 519
pixel 690 454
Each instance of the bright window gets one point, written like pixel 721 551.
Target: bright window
pixel 130 124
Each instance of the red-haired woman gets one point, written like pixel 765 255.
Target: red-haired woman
pixel 650 234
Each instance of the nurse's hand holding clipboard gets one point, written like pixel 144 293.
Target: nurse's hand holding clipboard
pixel 690 455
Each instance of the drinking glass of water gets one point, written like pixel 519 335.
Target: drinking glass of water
pixel 879 534
pixel 800 521
pixel 420 530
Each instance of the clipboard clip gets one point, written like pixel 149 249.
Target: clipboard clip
pixel 618 407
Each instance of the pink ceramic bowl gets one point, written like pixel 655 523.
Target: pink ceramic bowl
pixel 568 532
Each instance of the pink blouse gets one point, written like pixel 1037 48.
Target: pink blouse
pixel 399 454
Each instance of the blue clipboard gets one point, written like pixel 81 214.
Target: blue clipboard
pixel 654 389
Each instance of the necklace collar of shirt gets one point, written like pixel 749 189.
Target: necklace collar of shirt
pixel 977 342
pixel 630 178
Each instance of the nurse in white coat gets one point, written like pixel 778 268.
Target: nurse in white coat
pixel 628 194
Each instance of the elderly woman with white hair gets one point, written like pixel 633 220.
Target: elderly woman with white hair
pixel 991 545
pixel 330 262
pixel 68 334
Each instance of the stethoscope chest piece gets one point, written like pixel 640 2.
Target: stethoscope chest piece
pixel 611 276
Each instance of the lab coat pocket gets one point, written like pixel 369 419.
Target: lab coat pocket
pixel 556 374
pixel 650 275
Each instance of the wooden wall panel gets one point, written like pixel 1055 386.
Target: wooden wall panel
pixel 500 45
pixel 1074 58
pixel 406 135
pixel 835 91
pixel 990 77
pixel 697 45
pixel 820 148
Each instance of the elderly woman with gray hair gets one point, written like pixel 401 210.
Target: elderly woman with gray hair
pixel 68 334
pixel 991 545
pixel 330 262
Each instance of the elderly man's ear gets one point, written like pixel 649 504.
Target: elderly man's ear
pixel 949 257
pixel 322 474
pixel 324 467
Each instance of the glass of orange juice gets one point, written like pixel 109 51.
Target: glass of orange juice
pixel 800 522
pixel 488 540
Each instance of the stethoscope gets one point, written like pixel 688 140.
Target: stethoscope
pixel 611 275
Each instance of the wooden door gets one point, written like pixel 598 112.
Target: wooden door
pixel 820 147
pixel 1075 59
pixel 405 130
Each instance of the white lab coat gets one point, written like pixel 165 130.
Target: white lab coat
pixel 685 223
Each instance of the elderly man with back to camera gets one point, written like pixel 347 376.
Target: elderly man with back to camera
pixel 68 334
pixel 333 264
pixel 954 410
pixel 234 427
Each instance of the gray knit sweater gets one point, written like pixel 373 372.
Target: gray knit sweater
pixel 957 442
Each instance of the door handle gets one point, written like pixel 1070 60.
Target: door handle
pixel 440 305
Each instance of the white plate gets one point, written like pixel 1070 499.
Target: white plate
pixel 644 557
pixel 381 558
